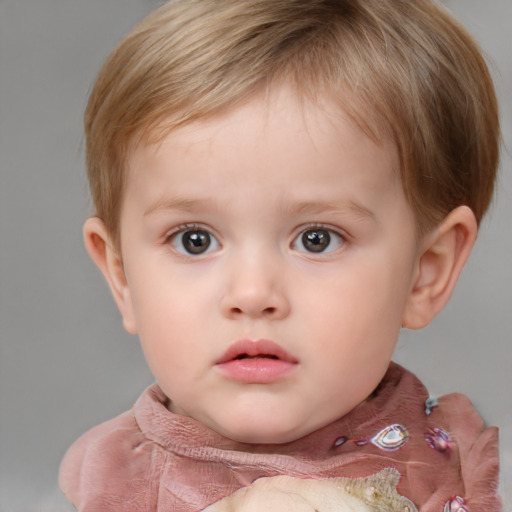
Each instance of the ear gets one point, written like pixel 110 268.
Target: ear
pixel 101 249
pixel 443 254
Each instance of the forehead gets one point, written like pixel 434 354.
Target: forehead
pixel 268 157
pixel 275 121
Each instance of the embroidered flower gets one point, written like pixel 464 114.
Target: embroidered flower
pixel 391 438
pixel 455 504
pixel 430 403
pixel 438 439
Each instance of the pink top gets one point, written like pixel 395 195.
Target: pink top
pixel 149 459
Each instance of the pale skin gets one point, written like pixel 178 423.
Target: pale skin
pixel 312 245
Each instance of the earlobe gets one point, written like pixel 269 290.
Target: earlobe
pixel 442 257
pixel 101 249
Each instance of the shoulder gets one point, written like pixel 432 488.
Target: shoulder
pixel 447 433
pixel 478 448
pixel 110 460
pixel 476 442
pixel 97 448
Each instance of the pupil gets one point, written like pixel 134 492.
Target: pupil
pixel 316 240
pixel 196 242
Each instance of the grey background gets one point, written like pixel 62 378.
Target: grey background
pixel 65 362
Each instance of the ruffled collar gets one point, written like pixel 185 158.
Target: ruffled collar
pixel 391 404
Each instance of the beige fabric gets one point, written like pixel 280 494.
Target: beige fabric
pixel 376 493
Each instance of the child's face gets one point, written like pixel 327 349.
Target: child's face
pixel 275 231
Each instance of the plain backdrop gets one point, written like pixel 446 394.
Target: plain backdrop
pixel 65 362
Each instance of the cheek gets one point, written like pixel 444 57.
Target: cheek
pixel 165 295
pixel 357 312
pixel 163 314
pixel 173 315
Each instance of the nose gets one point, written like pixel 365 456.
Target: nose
pixel 255 289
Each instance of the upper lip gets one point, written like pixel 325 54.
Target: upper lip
pixel 250 348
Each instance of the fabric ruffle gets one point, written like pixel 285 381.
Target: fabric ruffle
pixel 149 459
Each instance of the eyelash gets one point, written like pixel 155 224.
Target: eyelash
pixel 172 238
pixel 184 227
pixel 340 237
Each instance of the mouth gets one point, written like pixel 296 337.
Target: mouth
pixel 261 349
pixel 259 356
pixel 256 362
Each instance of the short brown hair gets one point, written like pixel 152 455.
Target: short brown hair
pixel 413 68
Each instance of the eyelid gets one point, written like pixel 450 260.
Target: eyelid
pixel 188 226
pixel 319 225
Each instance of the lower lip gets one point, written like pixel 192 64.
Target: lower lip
pixel 256 371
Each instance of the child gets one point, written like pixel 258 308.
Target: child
pixel 280 186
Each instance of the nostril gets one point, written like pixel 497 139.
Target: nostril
pixel 270 311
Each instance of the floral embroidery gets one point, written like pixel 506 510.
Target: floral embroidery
pixel 438 439
pixel 390 438
pixel 456 504
pixel 430 403
pixel 340 440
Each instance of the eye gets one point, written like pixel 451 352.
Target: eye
pixel 194 242
pixel 318 240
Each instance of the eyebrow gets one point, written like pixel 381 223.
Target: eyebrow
pixel 182 204
pixel 177 204
pixel 319 207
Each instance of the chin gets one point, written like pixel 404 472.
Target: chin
pixel 261 438
pixel 266 434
